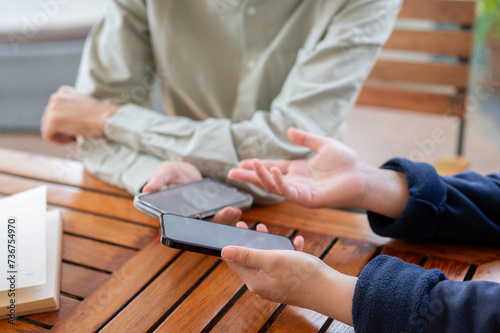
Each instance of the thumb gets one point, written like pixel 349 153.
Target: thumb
pixel 154 183
pixel 306 139
pixel 246 257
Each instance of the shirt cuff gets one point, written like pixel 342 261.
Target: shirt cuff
pixel 419 219
pixel 393 296
pixel 117 164
pixel 130 124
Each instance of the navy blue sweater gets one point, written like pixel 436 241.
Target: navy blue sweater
pixel 394 296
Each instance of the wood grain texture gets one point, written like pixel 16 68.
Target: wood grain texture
pixel 208 299
pixel 161 294
pixel 456 75
pixel 407 256
pixel 324 221
pixel 248 314
pixel 454 270
pixel 450 165
pixel 108 230
pixel 118 289
pixel 450 105
pixel 52 169
pixel 20 327
pixel 84 200
pixel 462 12
pixel 80 281
pixel 488 272
pixel 448 43
pixel 94 254
pixel 298 320
pixel 349 256
pixel 67 305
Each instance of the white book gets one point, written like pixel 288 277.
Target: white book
pixel 25 254
pixel 43 297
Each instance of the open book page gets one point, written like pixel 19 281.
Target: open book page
pixel 26 255
pixel 45 296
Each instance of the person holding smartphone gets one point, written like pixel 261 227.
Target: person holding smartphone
pixel 404 199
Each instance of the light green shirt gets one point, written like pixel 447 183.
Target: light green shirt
pixel 234 75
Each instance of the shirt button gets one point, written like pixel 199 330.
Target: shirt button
pixel 251 11
pixel 250 64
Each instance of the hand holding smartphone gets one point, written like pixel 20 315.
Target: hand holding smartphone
pixel 210 238
pixel 198 199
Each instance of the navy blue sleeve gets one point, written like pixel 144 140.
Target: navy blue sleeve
pixel 460 208
pixel 394 296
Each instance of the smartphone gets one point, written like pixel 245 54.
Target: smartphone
pixel 210 238
pixel 198 199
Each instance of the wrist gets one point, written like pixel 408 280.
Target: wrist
pixel 339 296
pixel 386 192
pixel 106 112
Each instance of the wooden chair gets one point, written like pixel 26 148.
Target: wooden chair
pixel 439 83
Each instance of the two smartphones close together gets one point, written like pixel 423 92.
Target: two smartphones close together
pixel 181 208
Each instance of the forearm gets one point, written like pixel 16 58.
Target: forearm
pixel 336 297
pixel 460 208
pixel 117 164
pixel 386 192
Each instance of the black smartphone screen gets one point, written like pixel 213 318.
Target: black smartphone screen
pixel 210 238
pixel 194 198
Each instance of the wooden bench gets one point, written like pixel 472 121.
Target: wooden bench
pixel 430 72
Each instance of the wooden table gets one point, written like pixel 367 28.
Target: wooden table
pixel 118 277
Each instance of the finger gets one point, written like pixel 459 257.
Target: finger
pixel 306 139
pixel 298 242
pixel 154 183
pixel 265 177
pixel 244 175
pixel 63 138
pixel 242 225
pixel 261 227
pixel 248 257
pixel 246 164
pixel 268 164
pixel 245 273
pixel 279 181
pixel 228 215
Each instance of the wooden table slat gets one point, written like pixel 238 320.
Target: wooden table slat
pixel 408 256
pixel 94 254
pixel 20 327
pixel 52 169
pixel 81 281
pixel 107 230
pixel 454 270
pixel 75 198
pixel 67 305
pixel 302 320
pixel 118 289
pixel 488 272
pixel 161 294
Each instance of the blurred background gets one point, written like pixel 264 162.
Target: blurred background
pixel 41 42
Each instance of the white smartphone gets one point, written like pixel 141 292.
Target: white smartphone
pixel 210 238
pixel 198 199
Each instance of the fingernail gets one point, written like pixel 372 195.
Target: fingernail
pixel 229 254
pixel 231 214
